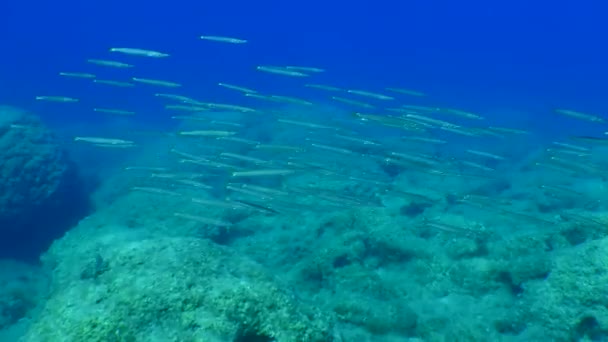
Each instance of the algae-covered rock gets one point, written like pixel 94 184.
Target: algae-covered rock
pixel 170 289
pixel 571 304
pixel 39 190
pixel 22 286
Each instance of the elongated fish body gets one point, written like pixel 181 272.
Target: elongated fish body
pixel 108 63
pixel 140 52
pixel 222 39
pixel 263 173
pixel 113 111
pixel 370 94
pixel 406 91
pixel 76 74
pixel 323 87
pixel 104 141
pixel 352 102
pixel 281 71
pixel 304 69
pixel 115 83
pixel 580 116
pixel 206 133
pixel 63 99
pixel 158 83
pixel 237 88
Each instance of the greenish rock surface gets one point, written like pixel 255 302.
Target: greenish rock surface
pixel 169 289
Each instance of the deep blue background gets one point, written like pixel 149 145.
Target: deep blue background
pixel 512 58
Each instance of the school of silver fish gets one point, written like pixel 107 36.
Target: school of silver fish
pixel 364 140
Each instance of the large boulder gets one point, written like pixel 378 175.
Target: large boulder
pixel 125 285
pixel 40 194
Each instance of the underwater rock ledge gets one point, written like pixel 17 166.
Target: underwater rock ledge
pixel 133 287
pixel 41 195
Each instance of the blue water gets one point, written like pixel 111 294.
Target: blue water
pixel 505 55
pixel 514 62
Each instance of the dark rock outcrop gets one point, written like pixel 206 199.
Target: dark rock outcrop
pixel 41 194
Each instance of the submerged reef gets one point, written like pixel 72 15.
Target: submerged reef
pixel 22 288
pixel 138 269
pixel 41 195
pixel 131 286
